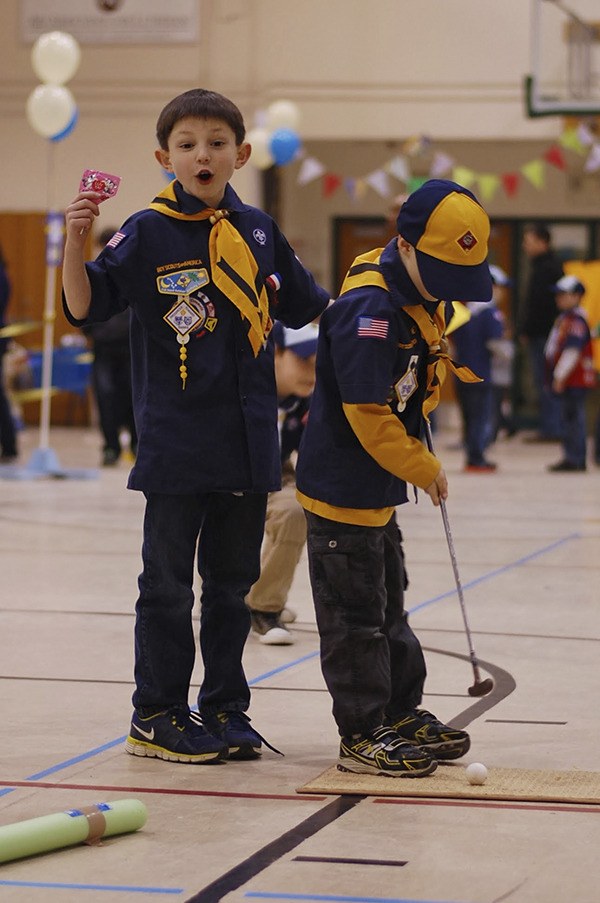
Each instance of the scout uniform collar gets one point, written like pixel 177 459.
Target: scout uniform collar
pixel 233 266
pixel 371 269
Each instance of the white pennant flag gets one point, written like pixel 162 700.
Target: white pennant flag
pixel 310 170
pixel 592 164
pixel 440 165
pixel 585 134
pixel 399 168
pixel 379 181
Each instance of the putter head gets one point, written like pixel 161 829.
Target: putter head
pixel 482 687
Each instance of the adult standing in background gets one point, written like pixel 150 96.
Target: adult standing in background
pixel 536 320
pixel 8 433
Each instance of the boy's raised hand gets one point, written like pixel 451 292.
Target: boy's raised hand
pixel 79 217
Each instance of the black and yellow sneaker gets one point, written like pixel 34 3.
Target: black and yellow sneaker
pixel 384 752
pixel 425 731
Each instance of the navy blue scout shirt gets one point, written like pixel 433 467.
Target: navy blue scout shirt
pixel 359 362
pixel 220 432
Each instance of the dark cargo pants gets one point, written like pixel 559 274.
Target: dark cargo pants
pixel 371 660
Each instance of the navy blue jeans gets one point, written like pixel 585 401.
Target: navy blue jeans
pixel 476 402
pixel 371 660
pixel 574 431
pixel 227 531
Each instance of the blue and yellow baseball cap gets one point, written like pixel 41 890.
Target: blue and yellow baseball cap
pixel 449 230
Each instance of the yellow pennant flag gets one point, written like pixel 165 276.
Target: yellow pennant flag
pixel 488 185
pixel 463 176
pixel 571 140
pixel 534 172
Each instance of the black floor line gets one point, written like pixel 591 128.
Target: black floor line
pixel 346 860
pixel 273 851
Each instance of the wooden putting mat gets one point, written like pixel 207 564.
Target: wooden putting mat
pixel 450 782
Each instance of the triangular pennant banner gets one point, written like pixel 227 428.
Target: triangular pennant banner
pixel 310 169
pixel 398 167
pixel 379 182
pixel 331 183
pixel 510 181
pixel 415 182
pixel 534 173
pixel 463 176
pixel 440 165
pixel 488 185
pixel 592 164
pixel 585 134
pixel 360 188
pixel 554 156
pixel 350 186
pixel 571 140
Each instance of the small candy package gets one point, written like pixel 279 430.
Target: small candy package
pixel 103 183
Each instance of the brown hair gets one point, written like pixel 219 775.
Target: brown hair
pixel 200 104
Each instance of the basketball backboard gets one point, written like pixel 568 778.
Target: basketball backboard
pixel 565 58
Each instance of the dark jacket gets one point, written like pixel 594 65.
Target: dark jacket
pixel 539 308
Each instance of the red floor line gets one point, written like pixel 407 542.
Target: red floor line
pixel 491 804
pixel 170 790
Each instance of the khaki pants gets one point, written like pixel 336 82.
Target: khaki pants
pixel 285 537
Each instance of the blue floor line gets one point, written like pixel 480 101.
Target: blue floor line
pixel 503 570
pixel 311 655
pixel 107 887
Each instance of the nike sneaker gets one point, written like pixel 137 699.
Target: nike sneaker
pixel 233 728
pixel 175 736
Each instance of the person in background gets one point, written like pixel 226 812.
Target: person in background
pixel 111 376
pixel 285 526
pixel 535 322
pixel 472 344
pixel 571 371
pixel 503 353
pixel 8 432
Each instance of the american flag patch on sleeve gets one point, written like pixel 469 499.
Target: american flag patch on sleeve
pixel 116 239
pixel 369 327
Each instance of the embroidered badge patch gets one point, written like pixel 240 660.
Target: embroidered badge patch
pixel 183 282
pixel 407 384
pixel 369 327
pixel 467 241
pixel 260 236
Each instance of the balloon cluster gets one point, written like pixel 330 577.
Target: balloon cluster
pixel 277 142
pixel 51 109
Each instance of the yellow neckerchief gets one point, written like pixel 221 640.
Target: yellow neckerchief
pixel 366 270
pixel 233 267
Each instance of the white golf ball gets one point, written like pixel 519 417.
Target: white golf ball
pixel 476 773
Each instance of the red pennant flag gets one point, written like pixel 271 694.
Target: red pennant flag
pixel 510 181
pixel 554 156
pixel 331 183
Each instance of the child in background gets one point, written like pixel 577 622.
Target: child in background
pixel 472 344
pixel 503 354
pixel 203 274
pixel 285 527
pixel 571 371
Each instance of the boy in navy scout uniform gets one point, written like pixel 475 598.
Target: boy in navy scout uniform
pixel 380 362
pixel 570 364
pixel 202 274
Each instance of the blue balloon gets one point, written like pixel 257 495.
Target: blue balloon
pixel 64 133
pixel 284 144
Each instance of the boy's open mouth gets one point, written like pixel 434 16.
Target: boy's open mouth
pixel 205 175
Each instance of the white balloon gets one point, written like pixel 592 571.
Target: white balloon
pixel 261 154
pixel 50 109
pixel 55 57
pixel 283 114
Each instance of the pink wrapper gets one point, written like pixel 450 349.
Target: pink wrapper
pixel 103 183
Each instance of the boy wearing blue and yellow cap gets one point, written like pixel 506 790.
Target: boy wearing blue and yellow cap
pixel 380 363
pixel 202 274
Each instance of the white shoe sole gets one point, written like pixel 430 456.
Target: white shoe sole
pixel 277 636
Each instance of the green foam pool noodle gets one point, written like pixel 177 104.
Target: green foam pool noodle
pixel 64 829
